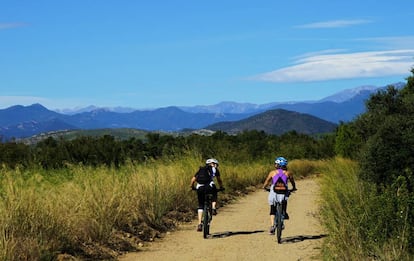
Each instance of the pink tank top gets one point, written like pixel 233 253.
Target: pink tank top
pixel 280 175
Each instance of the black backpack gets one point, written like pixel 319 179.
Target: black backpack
pixel 203 176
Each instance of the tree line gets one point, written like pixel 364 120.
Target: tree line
pixel 110 151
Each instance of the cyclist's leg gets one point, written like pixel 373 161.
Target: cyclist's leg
pixel 284 209
pixel 214 200
pixel 272 219
pixel 200 197
pixel 271 200
pixel 284 206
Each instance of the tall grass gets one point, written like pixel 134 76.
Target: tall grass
pixel 82 209
pixel 357 219
pixel 340 205
pixel 303 168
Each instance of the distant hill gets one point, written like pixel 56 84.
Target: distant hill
pixel 29 128
pixel 277 122
pixel 19 114
pixel 119 134
pixel 331 111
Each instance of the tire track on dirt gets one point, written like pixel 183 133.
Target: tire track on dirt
pixel 240 232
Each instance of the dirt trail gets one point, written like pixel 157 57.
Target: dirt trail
pixel 240 232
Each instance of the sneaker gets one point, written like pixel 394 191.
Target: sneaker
pixel 200 227
pixel 214 211
pixel 272 230
pixel 286 216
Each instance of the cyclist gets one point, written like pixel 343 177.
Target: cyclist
pixel 279 179
pixel 205 184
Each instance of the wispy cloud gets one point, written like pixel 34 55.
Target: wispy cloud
pixel 395 42
pixel 334 24
pixel 344 66
pixel 11 25
pixel 320 53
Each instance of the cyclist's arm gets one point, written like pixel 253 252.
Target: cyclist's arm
pixel 193 181
pixel 292 180
pixel 268 180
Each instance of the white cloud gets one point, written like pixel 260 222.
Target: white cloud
pixel 344 66
pixel 334 24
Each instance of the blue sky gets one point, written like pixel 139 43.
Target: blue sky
pixel 151 54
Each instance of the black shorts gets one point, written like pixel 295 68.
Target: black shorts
pixel 201 191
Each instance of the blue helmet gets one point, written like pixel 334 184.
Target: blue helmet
pixel 281 161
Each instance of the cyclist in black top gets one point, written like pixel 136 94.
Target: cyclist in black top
pixel 203 181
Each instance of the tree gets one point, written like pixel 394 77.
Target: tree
pixel 347 142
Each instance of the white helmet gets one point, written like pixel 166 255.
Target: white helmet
pixel 212 161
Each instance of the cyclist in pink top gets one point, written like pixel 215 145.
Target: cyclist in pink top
pixel 278 179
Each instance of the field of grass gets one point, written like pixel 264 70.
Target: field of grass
pixel 96 211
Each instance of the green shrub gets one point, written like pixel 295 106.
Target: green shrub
pixel 363 224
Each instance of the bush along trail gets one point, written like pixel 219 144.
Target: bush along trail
pixel 240 232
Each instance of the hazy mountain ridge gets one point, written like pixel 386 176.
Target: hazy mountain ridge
pixel 23 121
pixel 237 107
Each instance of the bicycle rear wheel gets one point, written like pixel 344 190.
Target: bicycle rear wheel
pixel 206 221
pixel 279 223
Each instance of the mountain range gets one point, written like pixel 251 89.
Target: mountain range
pixel 25 121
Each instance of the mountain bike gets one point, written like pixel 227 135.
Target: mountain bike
pixel 279 220
pixel 208 212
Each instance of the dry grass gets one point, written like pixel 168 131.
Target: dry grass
pixel 95 212
pixel 304 168
pixel 339 191
pixel 80 210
